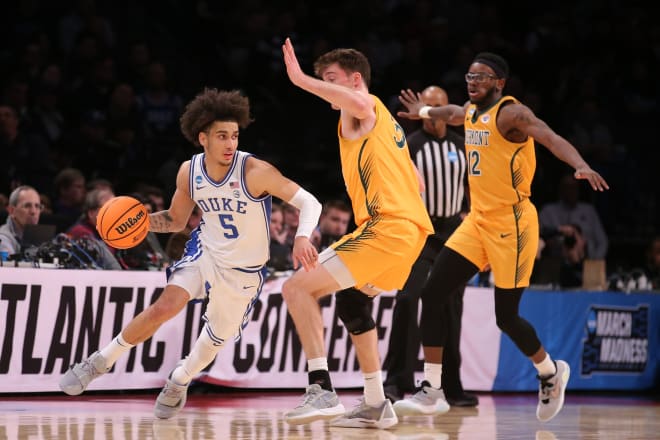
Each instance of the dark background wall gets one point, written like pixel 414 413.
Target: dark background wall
pixel 112 77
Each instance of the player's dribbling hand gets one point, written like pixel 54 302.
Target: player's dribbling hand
pixel 413 103
pixel 595 180
pixel 304 253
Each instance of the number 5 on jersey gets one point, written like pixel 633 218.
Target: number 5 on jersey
pixel 226 222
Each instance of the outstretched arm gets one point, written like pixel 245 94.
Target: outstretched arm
pixel 452 114
pixel 356 103
pixel 518 117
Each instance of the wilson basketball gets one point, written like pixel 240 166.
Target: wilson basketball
pixel 123 222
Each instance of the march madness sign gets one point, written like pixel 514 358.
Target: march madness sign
pixel 617 340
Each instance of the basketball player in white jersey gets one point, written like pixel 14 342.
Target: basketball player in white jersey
pixel 225 256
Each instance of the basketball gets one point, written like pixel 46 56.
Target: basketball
pixel 123 222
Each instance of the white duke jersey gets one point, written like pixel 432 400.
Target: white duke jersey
pixel 234 230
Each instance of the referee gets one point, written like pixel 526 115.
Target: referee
pixel 439 155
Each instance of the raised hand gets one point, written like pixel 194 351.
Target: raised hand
pixel 595 180
pixel 413 103
pixel 296 75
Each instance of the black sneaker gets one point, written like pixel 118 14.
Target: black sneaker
pixel 393 393
pixel 463 400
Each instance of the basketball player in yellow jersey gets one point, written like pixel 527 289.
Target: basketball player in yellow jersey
pixel 502 226
pixel 392 226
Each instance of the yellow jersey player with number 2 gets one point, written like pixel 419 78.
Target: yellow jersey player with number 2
pixel 502 228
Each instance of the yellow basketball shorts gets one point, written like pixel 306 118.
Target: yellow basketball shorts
pixel 506 238
pixel 381 251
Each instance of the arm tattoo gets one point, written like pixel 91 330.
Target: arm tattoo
pixel 160 221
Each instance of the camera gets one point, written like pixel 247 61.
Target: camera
pixel 569 240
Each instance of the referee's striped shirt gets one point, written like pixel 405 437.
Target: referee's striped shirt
pixel 442 163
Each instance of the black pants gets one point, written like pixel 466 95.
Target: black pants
pixel 401 360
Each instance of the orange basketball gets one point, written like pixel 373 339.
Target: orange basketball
pixel 123 222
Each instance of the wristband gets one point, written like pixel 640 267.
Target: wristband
pixel 424 112
pixel 310 210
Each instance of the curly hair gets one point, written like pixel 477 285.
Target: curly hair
pixel 350 60
pixel 213 105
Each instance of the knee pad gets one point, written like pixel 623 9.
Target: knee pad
pixel 354 309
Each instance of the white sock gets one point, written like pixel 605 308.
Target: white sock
pixel 546 367
pixel 433 374
pixel 114 350
pixel 317 364
pixel 373 388
pixel 202 354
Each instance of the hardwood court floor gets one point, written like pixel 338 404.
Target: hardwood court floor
pixel 258 415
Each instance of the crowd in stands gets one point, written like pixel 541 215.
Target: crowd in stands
pixel 91 92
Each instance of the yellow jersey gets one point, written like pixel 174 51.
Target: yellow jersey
pixel 379 175
pixel 500 172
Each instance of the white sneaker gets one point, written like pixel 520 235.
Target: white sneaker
pixel 78 376
pixel 317 404
pixel 551 392
pixel 366 416
pixel 171 399
pixel 426 401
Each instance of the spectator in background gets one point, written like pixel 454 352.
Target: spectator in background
pixel 85 227
pixel 280 252
pixel 69 194
pixel 153 195
pixel 24 208
pixel 46 117
pixel 15 93
pixel 46 204
pixel 100 183
pixel 568 244
pixel 160 108
pixel 136 65
pixel 89 148
pixel 570 212
pixel 81 18
pixel 291 218
pixel 333 223
pixel 122 107
pixel 49 217
pixel 25 156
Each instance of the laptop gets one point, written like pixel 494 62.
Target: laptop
pixel 35 235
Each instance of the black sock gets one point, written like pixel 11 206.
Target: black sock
pixel 321 377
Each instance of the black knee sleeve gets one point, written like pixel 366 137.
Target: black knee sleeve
pixel 354 309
